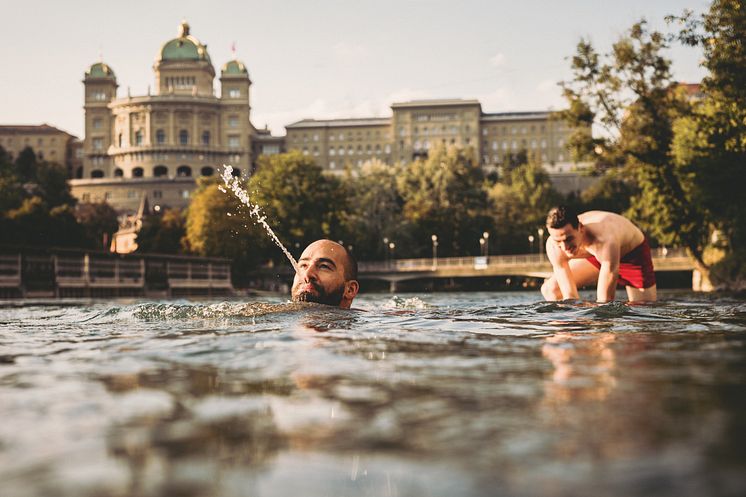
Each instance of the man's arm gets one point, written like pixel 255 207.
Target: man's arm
pixel 608 273
pixel 562 273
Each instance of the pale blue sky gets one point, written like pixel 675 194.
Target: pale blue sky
pixel 321 58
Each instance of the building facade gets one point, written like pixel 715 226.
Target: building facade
pixel 48 143
pixel 155 145
pixel 416 126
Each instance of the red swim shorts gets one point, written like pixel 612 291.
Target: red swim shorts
pixel 635 267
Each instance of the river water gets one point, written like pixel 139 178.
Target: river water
pixel 472 394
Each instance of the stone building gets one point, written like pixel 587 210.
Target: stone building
pixel 49 143
pixel 416 126
pixel 157 144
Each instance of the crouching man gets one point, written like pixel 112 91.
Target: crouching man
pixel 597 247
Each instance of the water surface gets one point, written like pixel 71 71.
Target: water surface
pixel 429 395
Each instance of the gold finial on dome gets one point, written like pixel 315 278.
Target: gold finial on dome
pixel 183 29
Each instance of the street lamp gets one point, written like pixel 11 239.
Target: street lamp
pixel 481 246
pixel 385 249
pixel 531 241
pixel 540 231
pixel 486 237
pixel 434 238
pixel 392 246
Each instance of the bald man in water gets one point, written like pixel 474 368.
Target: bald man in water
pixel 597 247
pixel 327 274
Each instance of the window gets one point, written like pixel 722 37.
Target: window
pixel 86 197
pixel 184 137
pixel 184 171
pixel 138 137
pixel 160 137
pixel 234 141
pixel 332 165
pixel 118 173
pixel 97 173
pixel 157 194
pixel 232 121
pixel 185 194
pixel 97 123
pixel 341 150
pixel 205 138
pixel 234 93
pixel 543 144
pixel 494 145
pixel 119 140
pixel 160 171
pixel 98 144
pixel 138 172
pixel 131 193
pixel 332 151
pixel 388 149
pixel 316 137
pixel 533 143
pixel 560 142
pixel 207 171
pixel 107 196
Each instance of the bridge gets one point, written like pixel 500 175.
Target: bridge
pixel 529 265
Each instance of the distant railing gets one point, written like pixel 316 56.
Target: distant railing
pixel 481 262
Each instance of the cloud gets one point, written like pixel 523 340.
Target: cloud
pixel 497 60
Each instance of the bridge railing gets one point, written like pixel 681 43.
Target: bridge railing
pixel 481 262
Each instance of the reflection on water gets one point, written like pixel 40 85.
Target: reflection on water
pixel 446 394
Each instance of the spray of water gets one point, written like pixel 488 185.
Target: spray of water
pixel 255 212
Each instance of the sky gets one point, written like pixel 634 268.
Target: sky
pixel 319 59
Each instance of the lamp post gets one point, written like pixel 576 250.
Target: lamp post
pixel 481 246
pixel 386 250
pixel 392 246
pixel 486 237
pixel 434 239
pixel 540 231
pixel 531 242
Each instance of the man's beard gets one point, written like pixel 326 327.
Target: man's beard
pixel 321 296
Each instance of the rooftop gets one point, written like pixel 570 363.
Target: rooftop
pixel 31 129
pixel 331 123
pixel 445 102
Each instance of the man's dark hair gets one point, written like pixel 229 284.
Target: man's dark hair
pixel 562 215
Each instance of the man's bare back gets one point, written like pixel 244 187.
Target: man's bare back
pixel 594 247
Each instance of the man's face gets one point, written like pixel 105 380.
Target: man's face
pixel 321 276
pixel 567 239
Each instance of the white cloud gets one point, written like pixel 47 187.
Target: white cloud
pixel 497 60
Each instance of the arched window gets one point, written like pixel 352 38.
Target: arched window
pixel 160 137
pixel 184 171
pixel 206 171
pixel 119 140
pixel 138 137
pixel 160 171
pixel 118 173
pixel 236 172
pixel 206 138
pixel 138 172
pixel 184 137
pixel 97 173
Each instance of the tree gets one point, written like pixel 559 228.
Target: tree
pixel 519 206
pixel 99 222
pixel 710 144
pixel 162 233
pixel 444 195
pixel 630 95
pixel 375 210
pixel 300 202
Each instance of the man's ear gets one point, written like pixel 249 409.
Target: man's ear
pixel 351 289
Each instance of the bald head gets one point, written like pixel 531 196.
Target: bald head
pixel 327 274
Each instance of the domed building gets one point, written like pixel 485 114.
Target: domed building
pixel 155 145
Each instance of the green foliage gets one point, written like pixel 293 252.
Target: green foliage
pixel 444 195
pixel 375 211
pixel 162 233
pixel 99 222
pixel 301 203
pixel 519 207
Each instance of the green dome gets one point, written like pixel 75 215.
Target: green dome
pixel 100 70
pixel 234 67
pixel 185 47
